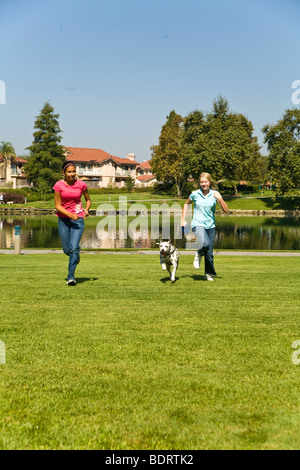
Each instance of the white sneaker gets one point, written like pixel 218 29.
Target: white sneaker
pixel 208 277
pixel 197 261
pixel 71 282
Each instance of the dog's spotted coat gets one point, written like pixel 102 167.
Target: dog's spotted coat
pixel 169 256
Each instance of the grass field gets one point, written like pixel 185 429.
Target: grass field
pixel 127 360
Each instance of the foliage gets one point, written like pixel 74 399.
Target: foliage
pixel 221 143
pixel 129 184
pixel 161 188
pixel 43 187
pixel 46 153
pixel 7 151
pixel 14 197
pixel 167 156
pixel 31 194
pixel 283 140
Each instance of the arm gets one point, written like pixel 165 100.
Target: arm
pixel 184 212
pixel 59 207
pixel 88 203
pixel 221 201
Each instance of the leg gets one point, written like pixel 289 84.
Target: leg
pixel 203 240
pixel 64 229
pixel 168 266
pixel 162 262
pixel 173 272
pixel 77 227
pixel 209 255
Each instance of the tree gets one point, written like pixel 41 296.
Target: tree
pixel 167 156
pixel 283 141
pixel 8 153
pixel 46 153
pixel 130 182
pixel 194 135
pixel 221 143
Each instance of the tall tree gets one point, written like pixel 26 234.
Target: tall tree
pixel 8 154
pixel 194 144
pixel 283 141
pixel 167 156
pixel 46 153
pixel 221 143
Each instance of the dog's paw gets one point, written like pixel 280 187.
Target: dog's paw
pixel 163 267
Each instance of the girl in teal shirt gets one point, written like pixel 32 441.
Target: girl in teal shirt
pixel 203 222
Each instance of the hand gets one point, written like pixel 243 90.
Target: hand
pixel 184 223
pixel 74 217
pixel 86 214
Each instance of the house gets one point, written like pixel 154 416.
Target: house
pixel 12 173
pixel 144 176
pixel 99 169
pixel 96 167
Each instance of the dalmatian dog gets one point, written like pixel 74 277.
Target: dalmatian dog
pixel 169 255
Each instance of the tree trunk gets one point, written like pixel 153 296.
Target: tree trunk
pixel 179 186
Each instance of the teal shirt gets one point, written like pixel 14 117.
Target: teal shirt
pixel 204 209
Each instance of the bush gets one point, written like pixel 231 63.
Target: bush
pixel 116 190
pixel 161 187
pixel 188 188
pixel 14 197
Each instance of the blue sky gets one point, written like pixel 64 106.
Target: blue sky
pixel 114 69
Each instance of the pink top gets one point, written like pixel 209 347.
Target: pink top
pixel 70 197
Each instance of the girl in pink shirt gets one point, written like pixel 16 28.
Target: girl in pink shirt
pixel 71 215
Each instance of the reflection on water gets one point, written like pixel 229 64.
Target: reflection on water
pixel 244 233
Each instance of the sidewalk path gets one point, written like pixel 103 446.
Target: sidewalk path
pixel 155 252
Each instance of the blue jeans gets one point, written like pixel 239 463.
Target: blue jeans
pixel 206 238
pixel 70 232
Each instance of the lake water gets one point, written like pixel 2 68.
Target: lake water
pixel 235 233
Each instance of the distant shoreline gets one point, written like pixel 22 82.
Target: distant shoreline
pixel 93 212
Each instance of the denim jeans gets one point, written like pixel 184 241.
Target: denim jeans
pixel 70 232
pixel 206 238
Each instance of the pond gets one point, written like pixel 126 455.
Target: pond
pixel 233 233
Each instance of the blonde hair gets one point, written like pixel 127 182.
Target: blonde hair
pixel 208 177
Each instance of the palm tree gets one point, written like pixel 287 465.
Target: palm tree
pixel 8 153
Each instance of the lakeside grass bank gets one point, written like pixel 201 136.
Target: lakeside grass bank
pixel 151 201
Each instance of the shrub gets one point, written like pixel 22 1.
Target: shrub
pixel 14 197
pixel 161 187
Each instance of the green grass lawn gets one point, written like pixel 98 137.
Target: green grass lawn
pixel 127 360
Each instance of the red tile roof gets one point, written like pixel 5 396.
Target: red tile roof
pixel 78 154
pixel 145 177
pixel 14 159
pixel 145 165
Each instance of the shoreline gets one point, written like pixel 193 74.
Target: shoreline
pixel 94 212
